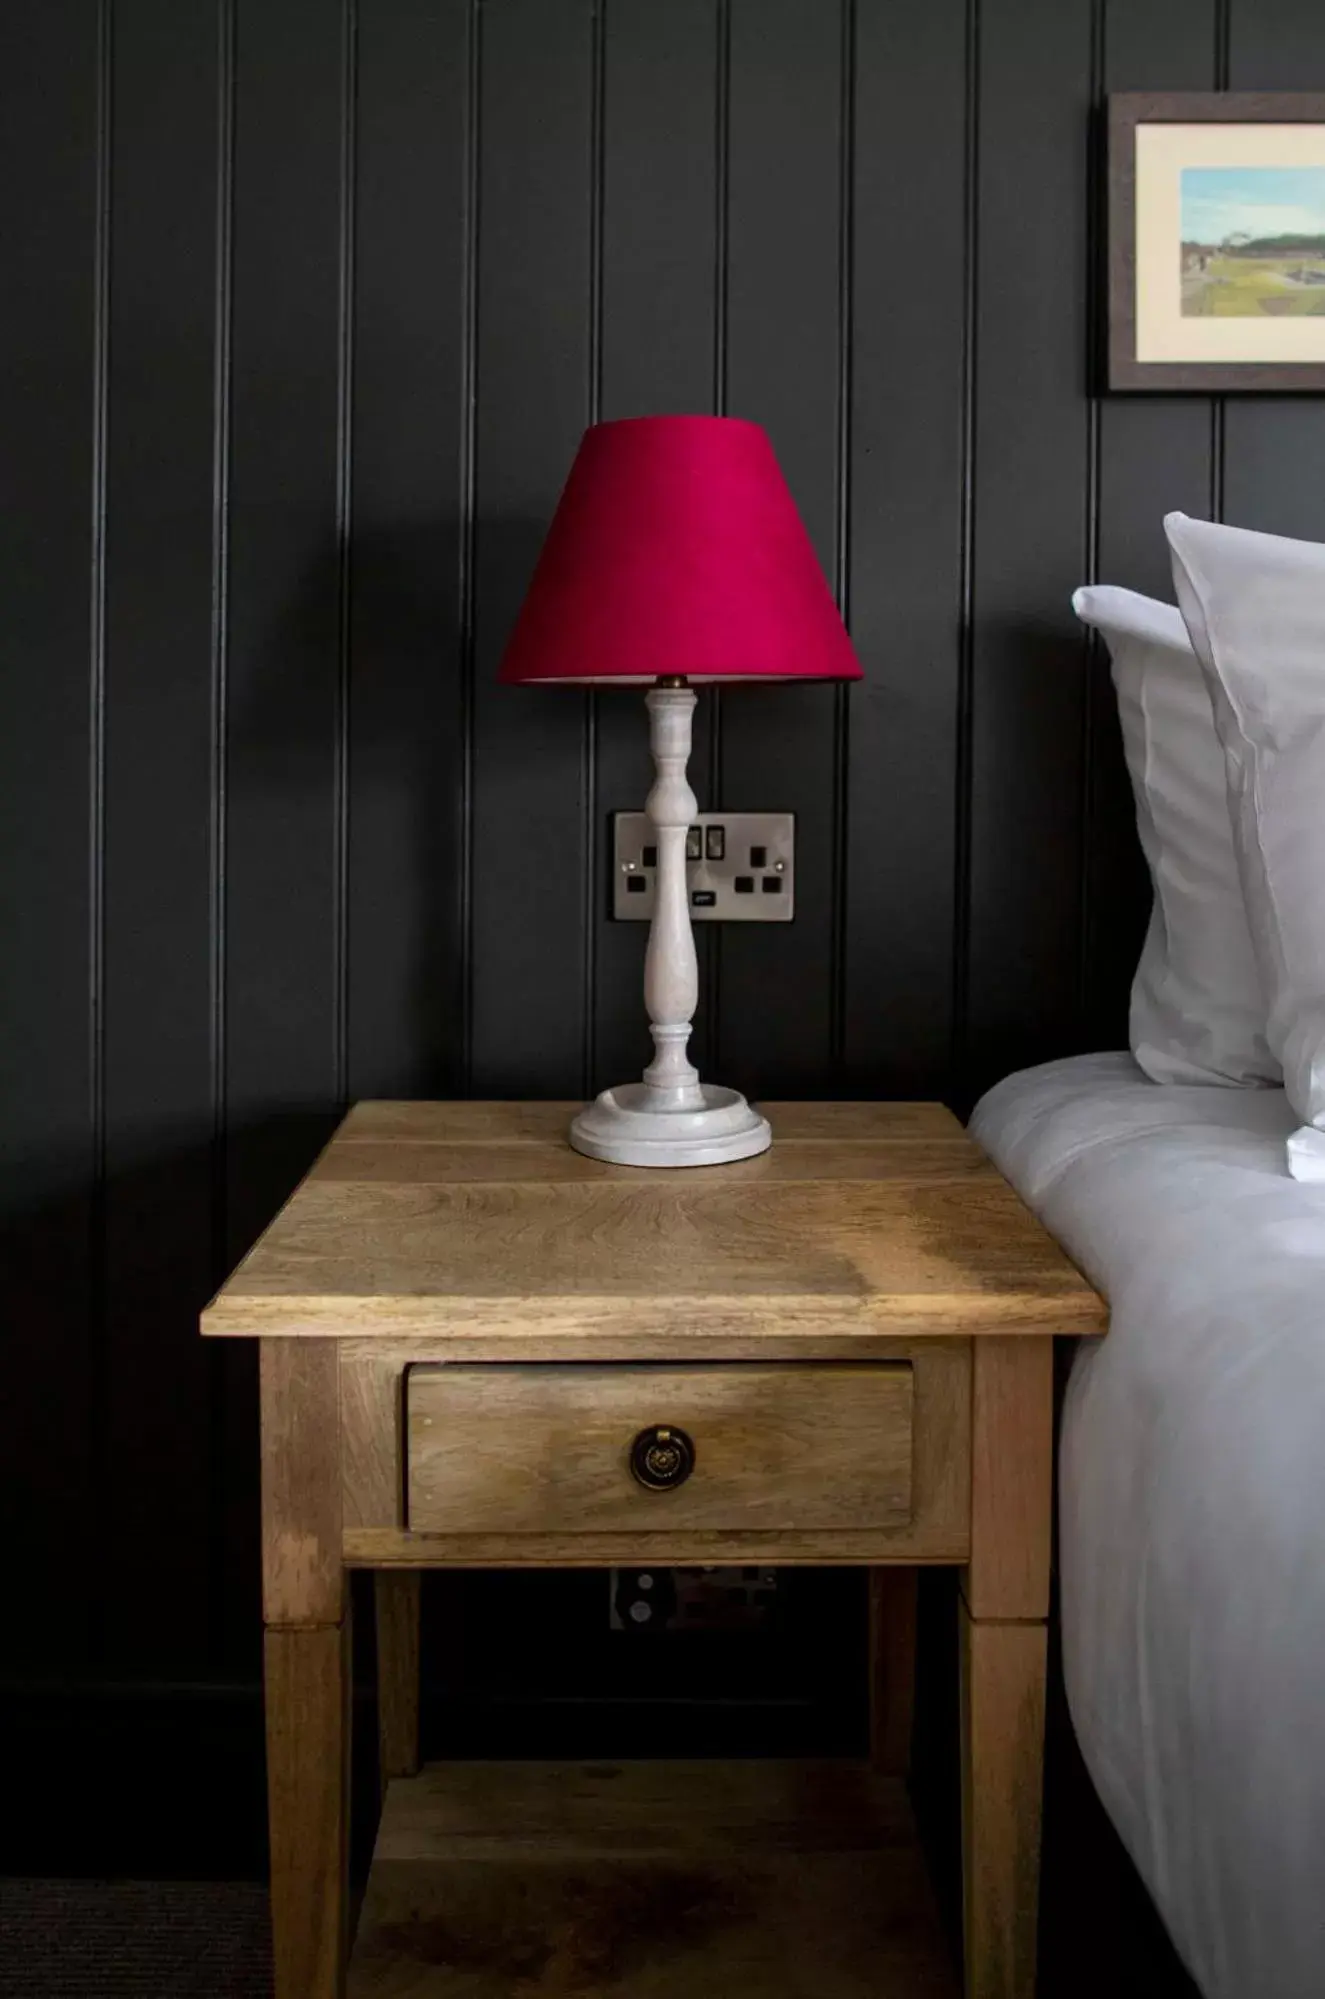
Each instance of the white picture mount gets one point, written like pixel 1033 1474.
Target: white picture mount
pixel 670 1118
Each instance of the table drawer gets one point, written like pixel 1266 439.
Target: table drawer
pixel 583 1449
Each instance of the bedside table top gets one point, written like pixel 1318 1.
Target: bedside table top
pixel 478 1218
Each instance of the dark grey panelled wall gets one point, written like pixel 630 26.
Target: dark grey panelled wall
pixel 306 305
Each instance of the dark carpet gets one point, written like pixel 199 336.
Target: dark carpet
pixel 134 1940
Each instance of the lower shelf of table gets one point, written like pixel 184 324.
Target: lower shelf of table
pixel 648 1881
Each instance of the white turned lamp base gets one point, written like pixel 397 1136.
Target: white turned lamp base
pixel 670 1118
pixel 622 1126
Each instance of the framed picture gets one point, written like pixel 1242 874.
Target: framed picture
pixel 1217 241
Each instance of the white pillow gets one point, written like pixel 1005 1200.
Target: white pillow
pixel 1198 1012
pixel 1255 608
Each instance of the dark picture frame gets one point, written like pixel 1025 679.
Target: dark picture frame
pixel 1127 112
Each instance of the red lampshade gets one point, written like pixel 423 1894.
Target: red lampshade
pixel 676 548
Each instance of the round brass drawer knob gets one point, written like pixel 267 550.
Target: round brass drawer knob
pixel 662 1457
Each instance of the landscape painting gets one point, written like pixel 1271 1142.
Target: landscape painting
pixel 1253 242
pixel 1217 242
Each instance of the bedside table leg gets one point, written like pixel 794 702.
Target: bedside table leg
pixel 1002 1708
pixel 892 1611
pixel 307 1684
pixel 1004 1647
pixel 397 1595
pixel 306 1666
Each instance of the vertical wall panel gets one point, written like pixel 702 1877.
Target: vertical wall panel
pixel 1155 454
pixel 48 409
pixel 408 646
pixel 775 1025
pixel 659 215
pixel 1273 453
pixel 1275 446
pixel 530 744
pixel 1031 508
pixel 1154 450
pixel 1276 45
pixel 905 608
pixel 659 273
pixel 284 591
pixel 282 908
pixel 158 1208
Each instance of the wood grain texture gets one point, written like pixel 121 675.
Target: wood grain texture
pixel 892 1667
pixel 939 1528
pixel 544 1451
pixel 424 1164
pixel 308 1745
pixel 385 1547
pixel 397 1595
pixel 894 1249
pixel 1002 1724
pixel 302 1579
pixel 372 1413
pixel 401 1350
pixel 648 1881
pixel 504 1121
pixel 532 1810
pixel 1011 1478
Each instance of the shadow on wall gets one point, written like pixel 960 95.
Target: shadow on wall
pixel 401 635
pixel 114 1405
pixel 130 1494
pixel 1053 857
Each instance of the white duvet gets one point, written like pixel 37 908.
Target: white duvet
pixel 1192 1498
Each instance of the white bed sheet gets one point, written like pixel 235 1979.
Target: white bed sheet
pixel 1192 1498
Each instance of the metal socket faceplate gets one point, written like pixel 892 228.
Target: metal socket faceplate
pixel 740 867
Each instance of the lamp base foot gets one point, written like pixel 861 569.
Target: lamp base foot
pixel 620 1127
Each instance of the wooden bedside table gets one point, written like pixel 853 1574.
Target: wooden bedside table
pixel 467 1329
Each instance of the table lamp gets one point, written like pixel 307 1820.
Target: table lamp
pixel 676 557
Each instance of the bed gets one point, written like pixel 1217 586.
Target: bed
pixel 1192 1497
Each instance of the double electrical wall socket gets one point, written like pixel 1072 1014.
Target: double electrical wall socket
pixel 740 867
